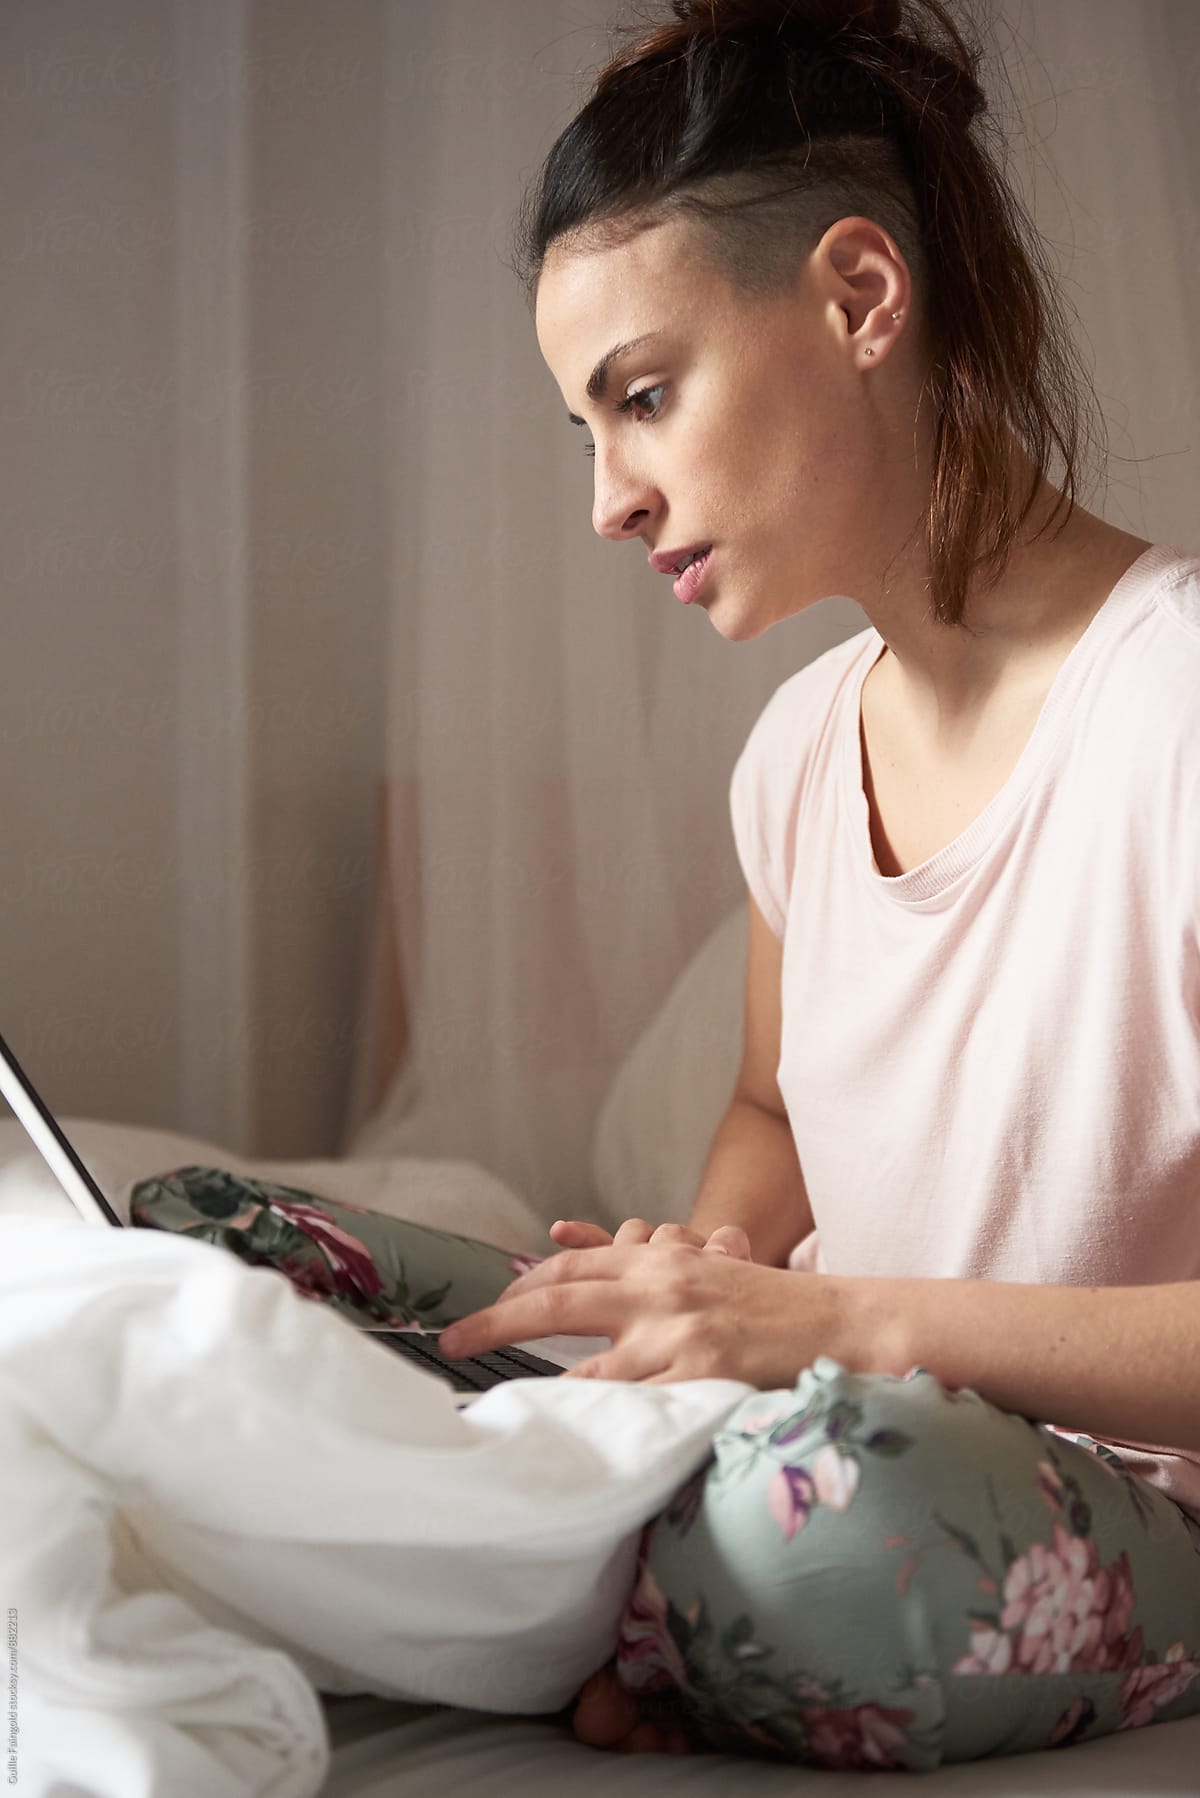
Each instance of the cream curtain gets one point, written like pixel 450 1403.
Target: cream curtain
pixel 560 731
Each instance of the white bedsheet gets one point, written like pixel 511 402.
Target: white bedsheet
pixel 217 1495
pixel 189 1672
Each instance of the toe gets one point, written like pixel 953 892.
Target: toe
pixel 605 1713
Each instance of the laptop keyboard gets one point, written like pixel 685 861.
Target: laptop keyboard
pixel 477 1373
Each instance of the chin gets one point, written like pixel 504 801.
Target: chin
pixel 740 626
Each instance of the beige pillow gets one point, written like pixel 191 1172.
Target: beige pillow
pixel 657 1123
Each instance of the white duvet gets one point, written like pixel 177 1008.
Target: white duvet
pixel 217 1496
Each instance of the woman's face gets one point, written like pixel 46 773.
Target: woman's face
pixel 744 424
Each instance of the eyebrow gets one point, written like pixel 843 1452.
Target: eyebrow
pixel 597 385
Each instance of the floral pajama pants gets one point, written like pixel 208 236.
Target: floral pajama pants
pixel 869 1571
pixel 877 1572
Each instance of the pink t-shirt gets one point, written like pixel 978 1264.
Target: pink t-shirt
pixel 991 1063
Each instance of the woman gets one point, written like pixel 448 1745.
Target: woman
pixel 781 283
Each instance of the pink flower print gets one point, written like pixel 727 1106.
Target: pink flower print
pixel 760 1422
pixel 867 1736
pixel 241 1220
pixel 351 1265
pixel 991 1651
pixel 1077 1717
pixel 1145 1690
pixel 523 1264
pixel 836 1478
pixel 807 1688
pixel 1071 1614
pixel 791 1495
pixel 1050 1485
pixel 306 1286
pixel 648 1657
pixel 1063 1613
pixel 905 1572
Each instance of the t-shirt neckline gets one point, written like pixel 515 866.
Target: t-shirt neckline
pixel 933 876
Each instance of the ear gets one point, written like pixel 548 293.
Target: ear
pixel 862 269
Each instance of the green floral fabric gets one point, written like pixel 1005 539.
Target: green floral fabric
pixel 372 1268
pixel 879 1572
pixel 869 1572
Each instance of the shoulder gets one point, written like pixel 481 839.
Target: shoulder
pixel 801 706
pixel 1174 592
pixel 781 760
pixel 1153 662
pixel 1138 725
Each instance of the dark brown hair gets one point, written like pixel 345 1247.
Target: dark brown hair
pixel 767 121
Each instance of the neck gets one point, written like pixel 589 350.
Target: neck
pixel 1051 589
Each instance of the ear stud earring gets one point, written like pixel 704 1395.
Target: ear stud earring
pixel 871 352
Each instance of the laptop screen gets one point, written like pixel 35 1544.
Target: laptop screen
pixel 53 1146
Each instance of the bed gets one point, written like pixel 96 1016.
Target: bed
pixel 651 1138
pixel 383 1753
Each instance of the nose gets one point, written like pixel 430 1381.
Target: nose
pixel 623 500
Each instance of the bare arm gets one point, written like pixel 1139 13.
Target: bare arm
pixel 752 1177
pixel 1114 1361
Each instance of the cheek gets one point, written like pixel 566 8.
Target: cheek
pixel 757 463
pixel 732 468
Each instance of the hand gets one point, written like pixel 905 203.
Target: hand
pixel 730 1239
pixel 682 1313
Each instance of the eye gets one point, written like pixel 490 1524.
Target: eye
pixel 632 403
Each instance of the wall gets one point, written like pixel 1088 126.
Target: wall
pixel 191 515
pixel 89 545
pixel 217 355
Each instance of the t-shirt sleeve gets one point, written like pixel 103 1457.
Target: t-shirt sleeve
pixel 757 834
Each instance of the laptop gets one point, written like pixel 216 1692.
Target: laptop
pixel 469 1378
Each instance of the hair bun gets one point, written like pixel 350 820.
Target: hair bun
pixel 922 64
pixel 819 20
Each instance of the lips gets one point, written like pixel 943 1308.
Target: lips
pixel 674 561
pixel 689 583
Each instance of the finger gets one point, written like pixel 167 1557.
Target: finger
pixel 602 1263
pixel 604 1712
pixel 732 1240
pixel 629 1361
pixel 581 1308
pixel 667 1235
pixel 572 1233
pixel 635 1230
pixel 585 1370
pixel 675 1373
